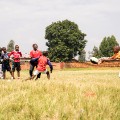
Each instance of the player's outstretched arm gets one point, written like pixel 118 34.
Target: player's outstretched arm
pixel 50 65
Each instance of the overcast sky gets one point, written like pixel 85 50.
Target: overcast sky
pixel 24 21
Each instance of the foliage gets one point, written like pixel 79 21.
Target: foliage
pixel 10 46
pixel 65 40
pixel 82 56
pixel 106 46
pixel 96 53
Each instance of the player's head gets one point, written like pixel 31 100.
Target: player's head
pixel 4 49
pixel 35 46
pixel 0 51
pixel 116 49
pixel 45 53
pixel 17 47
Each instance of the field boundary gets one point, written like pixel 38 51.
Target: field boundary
pixel 116 63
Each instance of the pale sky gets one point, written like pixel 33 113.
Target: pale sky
pixel 24 21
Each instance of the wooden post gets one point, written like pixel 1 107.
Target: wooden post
pixel 61 65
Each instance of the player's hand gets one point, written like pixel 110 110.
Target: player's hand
pixel 1 60
pixel 11 59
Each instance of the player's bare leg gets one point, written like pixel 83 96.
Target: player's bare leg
pixel 4 75
pixel 48 74
pixel 13 75
pixel 18 74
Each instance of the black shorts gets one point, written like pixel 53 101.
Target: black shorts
pixel 6 67
pixel 16 66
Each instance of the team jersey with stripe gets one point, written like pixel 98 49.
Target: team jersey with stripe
pixel 16 55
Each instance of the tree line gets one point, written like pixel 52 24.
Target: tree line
pixel 105 48
pixel 65 41
pixel 10 46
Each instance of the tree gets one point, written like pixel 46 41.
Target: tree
pixel 106 46
pixel 65 40
pixel 82 56
pixel 96 53
pixel 10 46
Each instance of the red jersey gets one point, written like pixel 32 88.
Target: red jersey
pixel 35 54
pixel 16 55
pixel 116 56
pixel 42 62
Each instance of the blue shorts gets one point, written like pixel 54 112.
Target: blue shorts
pixel 6 67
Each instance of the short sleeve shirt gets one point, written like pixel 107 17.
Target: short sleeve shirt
pixel 16 55
pixel 35 54
pixel 42 62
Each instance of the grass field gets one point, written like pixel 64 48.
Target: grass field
pixel 70 94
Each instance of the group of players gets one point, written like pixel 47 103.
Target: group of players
pixel 38 59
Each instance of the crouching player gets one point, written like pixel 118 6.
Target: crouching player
pixel 6 63
pixel 43 61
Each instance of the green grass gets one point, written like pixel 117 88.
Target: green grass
pixel 70 94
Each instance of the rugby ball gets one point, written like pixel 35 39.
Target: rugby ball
pixel 94 60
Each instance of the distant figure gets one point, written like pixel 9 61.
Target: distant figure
pixel 6 63
pixel 41 68
pixel 116 56
pixel 35 53
pixel 16 55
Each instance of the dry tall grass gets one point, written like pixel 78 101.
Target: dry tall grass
pixel 73 94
